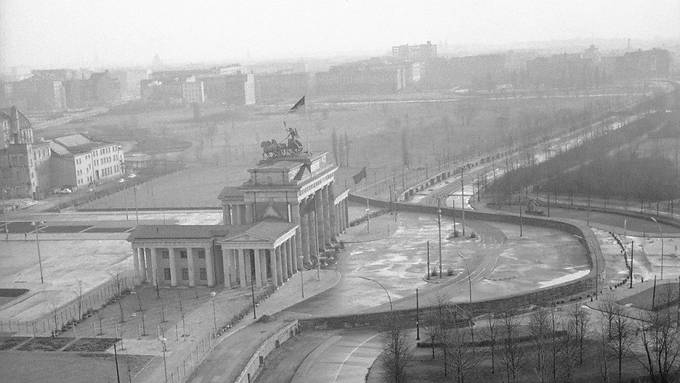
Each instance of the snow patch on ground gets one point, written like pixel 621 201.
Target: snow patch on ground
pixel 564 278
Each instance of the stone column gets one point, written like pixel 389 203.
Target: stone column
pixel 173 266
pixel 332 216
pixel 258 266
pixel 209 266
pixel 262 254
pixel 155 254
pixel 226 266
pixel 135 261
pixel 149 268
pixel 191 266
pixel 274 266
pixel 289 256
pixel 346 213
pixel 284 261
pixel 318 210
pixel 295 209
pixel 241 267
pixel 249 266
pixel 142 265
pixel 326 215
pixel 279 265
pixel 304 234
pixel 313 235
pixel 294 254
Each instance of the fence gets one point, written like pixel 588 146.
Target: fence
pixel 74 310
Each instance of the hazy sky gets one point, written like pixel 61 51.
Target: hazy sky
pixel 84 32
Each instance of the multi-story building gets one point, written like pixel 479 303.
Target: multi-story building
pixel 230 89
pixel 24 164
pixel 79 161
pixel 480 72
pixel 364 77
pixel 415 53
pixel 36 93
pixel 274 87
pixel 193 91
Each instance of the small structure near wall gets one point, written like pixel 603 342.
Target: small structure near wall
pixel 287 213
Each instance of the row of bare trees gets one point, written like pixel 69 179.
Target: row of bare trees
pixel 606 344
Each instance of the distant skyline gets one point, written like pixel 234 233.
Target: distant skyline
pixel 86 33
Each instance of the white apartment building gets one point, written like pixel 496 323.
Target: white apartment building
pixel 78 161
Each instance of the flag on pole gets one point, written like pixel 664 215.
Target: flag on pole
pixel 359 176
pixel 298 105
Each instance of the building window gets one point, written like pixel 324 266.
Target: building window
pixel 183 254
pixel 165 255
pixel 167 273
pixel 203 274
pixel 185 274
pixel 201 255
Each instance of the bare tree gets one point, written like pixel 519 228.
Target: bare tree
pixel 463 357
pixel 491 335
pixel 661 343
pixel 622 331
pixel 540 329
pixel 512 357
pixel 396 354
pixel 578 319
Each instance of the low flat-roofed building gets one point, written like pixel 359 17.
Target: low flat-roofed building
pixel 79 161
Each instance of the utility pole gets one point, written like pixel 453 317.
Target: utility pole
pixel 439 224
pixel 631 264
pixel 462 199
pixel 428 260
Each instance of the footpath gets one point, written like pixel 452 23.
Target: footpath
pixel 238 344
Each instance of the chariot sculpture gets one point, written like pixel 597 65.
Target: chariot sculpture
pixel 290 148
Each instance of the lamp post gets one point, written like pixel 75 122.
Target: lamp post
pixel 439 225
pixel 417 317
pixel 212 298
pixel 389 298
pixel 165 363
pixel 252 292
pixel 4 213
pixel 122 181
pixel 37 244
pixel 661 235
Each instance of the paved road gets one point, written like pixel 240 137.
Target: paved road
pixel 345 357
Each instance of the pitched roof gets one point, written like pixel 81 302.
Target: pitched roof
pixel 268 230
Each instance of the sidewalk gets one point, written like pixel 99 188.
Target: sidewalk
pixel 236 346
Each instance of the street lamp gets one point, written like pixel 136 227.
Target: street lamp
pixel 37 243
pixel 383 287
pixel 468 273
pixel 212 298
pixel 661 235
pixel 165 363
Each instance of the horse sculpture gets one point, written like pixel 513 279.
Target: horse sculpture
pixel 272 149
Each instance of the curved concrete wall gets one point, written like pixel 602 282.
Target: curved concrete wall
pixel 580 288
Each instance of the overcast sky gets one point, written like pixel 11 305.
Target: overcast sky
pixel 120 32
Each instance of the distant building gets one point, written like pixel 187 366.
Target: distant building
pixel 478 72
pixel 231 89
pixel 78 161
pixel 193 91
pixel 372 76
pixel 130 80
pixel 36 93
pixel 415 53
pixel 645 64
pixel 24 164
pixel 275 87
